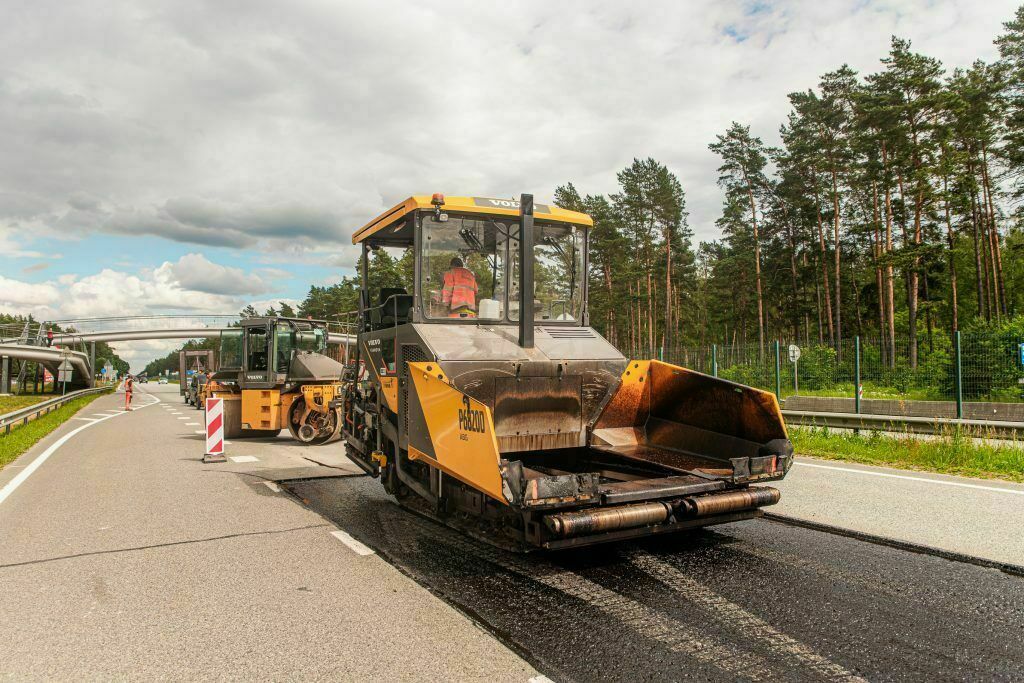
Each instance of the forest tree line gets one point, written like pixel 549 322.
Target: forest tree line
pixel 891 209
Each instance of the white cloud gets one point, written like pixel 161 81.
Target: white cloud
pixel 284 127
pixel 196 272
pixel 191 287
pixel 26 297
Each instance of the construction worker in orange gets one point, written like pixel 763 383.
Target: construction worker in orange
pixel 459 292
pixel 129 385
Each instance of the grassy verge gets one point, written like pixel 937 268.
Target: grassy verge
pixel 950 453
pixel 11 403
pixel 22 438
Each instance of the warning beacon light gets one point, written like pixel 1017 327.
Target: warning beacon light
pixel 438 201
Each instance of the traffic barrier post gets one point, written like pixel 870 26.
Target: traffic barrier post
pixel 856 374
pixel 959 377
pixel 214 430
pixel 778 372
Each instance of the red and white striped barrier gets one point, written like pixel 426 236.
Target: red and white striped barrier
pixel 214 430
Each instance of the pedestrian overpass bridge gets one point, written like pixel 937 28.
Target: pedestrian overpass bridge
pixel 76 344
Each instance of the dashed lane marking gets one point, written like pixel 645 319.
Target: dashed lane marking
pixel 13 484
pixel 86 419
pixel 923 480
pixel 244 458
pixel 192 424
pixel 354 545
pixel 199 431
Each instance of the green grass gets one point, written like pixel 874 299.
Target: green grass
pixel 948 453
pixel 845 390
pixel 22 438
pixel 15 402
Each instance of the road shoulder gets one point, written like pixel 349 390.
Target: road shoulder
pixel 959 514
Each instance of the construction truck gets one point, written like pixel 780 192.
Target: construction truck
pixel 274 374
pixel 484 399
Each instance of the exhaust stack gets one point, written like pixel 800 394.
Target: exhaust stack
pixel 526 271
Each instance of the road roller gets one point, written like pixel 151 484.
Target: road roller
pixel 526 428
pixel 273 375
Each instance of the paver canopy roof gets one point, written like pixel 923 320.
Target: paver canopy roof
pixel 483 205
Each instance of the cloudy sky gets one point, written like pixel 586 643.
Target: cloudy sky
pixel 186 156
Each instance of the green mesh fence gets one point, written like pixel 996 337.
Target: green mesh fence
pixel 990 367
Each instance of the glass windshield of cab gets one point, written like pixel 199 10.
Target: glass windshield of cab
pixel 291 339
pixel 466 262
pixel 463 266
pixel 557 274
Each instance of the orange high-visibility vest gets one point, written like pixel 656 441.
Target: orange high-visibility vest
pixel 459 289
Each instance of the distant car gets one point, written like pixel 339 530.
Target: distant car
pixel 143 380
pixel 163 380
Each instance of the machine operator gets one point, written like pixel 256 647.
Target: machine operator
pixel 460 290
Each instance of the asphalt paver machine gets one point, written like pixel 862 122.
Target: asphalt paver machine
pixel 273 374
pixel 509 417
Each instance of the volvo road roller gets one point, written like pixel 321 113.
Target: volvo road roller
pixel 484 399
pixel 273 374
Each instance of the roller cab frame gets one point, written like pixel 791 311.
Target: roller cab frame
pixel 273 374
pixel 517 422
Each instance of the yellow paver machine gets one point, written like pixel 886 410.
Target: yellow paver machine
pixel 525 427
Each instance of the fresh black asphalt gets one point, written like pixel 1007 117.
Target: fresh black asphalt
pixel 755 600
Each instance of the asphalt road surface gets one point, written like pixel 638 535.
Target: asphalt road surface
pixel 123 556
pixel 755 600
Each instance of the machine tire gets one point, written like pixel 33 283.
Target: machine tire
pixel 300 432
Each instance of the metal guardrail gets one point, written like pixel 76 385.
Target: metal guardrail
pixel 904 423
pixel 29 413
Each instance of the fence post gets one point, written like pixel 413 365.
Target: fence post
pixel 856 373
pixel 959 379
pixel 778 372
pixel 661 353
pixel 714 360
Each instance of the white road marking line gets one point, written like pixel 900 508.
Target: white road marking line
pixel 540 679
pixel 244 458
pixel 354 545
pixel 201 431
pixel 192 424
pixel 42 457
pixel 734 615
pixel 102 415
pixel 87 419
pixel 922 480
pixel 226 443
pixel 183 418
pixel 272 485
